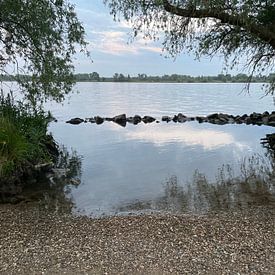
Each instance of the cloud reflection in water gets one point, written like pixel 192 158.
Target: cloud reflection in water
pixel 209 139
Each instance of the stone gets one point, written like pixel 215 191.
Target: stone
pixel 181 117
pixel 148 119
pixel 248 120
pixel 136 119
pixel 271 118
pixel 213 116
pixel 166 118
pixel 175 118
pixel 98 120
pixel 120 119
pixel 224 117
pixel 222 120
pixel 201 119
pixel 265 119
pixel 75 121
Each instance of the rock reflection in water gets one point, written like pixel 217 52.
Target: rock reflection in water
pixel 254 187
pixel 52 191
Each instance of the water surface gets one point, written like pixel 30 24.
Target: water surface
pixel 137 168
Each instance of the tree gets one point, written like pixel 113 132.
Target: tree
pixel 236 29
pixel 142 76
pixel 39 38
pixel 116 77
pixel 121 77
pixel 95 76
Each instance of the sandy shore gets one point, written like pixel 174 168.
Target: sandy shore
pixel 33 241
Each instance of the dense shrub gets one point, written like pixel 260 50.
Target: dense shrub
pixel 13 147
pixel 23 137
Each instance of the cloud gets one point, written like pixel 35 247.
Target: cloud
pixel 117 43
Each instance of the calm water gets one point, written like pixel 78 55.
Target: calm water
pixel 159 167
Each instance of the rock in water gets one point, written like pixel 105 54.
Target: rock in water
pixel 213 116
pixel 148 119
pixel 98 120
pixel 120 119
pixel 166 118
pixel 75 121
pixel 181 117
pixel 136 119
pixel 175 118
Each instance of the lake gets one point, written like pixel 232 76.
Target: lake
pixel 174 167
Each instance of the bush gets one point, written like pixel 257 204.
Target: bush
pixel 23 137
pixel 13 147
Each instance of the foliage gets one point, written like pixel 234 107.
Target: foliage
pixel 221 78
pixel 40 38
pixel 13 147
pixel 23 137
pixel 236 29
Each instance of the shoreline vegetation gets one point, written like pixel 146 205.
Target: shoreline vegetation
pixel 173 78
pixel 26 147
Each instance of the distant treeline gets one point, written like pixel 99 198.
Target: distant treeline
pixel 174 78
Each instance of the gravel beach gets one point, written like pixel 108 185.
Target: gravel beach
pixel 33 241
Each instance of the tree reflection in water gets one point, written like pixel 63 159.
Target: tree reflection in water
pixel 255 186
pixel 52 191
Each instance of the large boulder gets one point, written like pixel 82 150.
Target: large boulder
pixel 120 119
pixel 75 121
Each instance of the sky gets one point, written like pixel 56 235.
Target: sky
pixel 112 52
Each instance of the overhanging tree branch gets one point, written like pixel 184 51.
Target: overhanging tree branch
pixel 265 34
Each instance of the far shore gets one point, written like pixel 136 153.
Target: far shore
pixel 172 78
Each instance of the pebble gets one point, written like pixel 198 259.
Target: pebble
pixel 36 241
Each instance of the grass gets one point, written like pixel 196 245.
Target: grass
pixel 13 147
pixel 23 137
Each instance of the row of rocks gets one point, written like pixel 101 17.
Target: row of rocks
pixel 120 119
pixel 265 118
